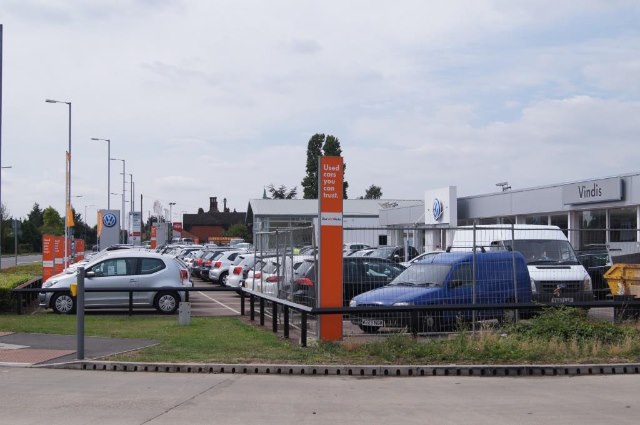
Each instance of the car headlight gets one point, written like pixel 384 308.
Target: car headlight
pixel 533 286
pixel 402 304
pixel 587 284
pixel 353 303
pixel 49 283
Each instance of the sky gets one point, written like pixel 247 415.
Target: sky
pixel 207 98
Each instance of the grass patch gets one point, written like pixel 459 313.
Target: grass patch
pixel 556 336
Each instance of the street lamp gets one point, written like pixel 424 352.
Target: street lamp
pixel 171 204
pixel 108 168
pixel 123 190
pixel 68 198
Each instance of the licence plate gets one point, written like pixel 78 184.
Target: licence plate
pixel 562 300
pixel 372 322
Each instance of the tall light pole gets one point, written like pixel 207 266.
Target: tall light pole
pixel 108 169
pixel 123 190
pixel 68 197
pixel 171 204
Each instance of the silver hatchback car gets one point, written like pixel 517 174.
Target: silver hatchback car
pixel 123 269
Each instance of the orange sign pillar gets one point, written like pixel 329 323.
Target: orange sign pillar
pixel 330 172
pixel 47 256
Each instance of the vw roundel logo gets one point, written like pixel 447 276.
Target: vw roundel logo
pixel 437 209
pixel 109 220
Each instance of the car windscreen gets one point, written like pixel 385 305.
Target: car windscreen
pixel 423 275
pixel 544 251
pixel 382 252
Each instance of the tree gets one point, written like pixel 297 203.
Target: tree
pixel 310 181
pixel 238 231
pixel 36 215
pixel 373 192
pixel 320 145
pixel 53 223
pixel 281 192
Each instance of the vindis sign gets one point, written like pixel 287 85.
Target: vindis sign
pixel 592 191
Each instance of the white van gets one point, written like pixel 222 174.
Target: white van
pixel 556 274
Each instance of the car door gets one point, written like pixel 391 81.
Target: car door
pixel 150 275
pixel 459 288
pixel 109 274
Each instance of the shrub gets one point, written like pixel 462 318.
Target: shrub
pixel 571 324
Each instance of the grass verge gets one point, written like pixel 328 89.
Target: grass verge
pixel 556 336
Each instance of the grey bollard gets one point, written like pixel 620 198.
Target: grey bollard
pixel 184 314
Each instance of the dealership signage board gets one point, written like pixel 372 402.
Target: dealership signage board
pixel 177 229
pixel 108 228
pixel 135 231
pixel 330 194
pixel 58 254
pixel 593 191
pixel 441 206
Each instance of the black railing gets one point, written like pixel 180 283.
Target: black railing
pixel 624 307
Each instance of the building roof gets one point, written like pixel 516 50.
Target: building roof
pixel 213 219
pixel 309 207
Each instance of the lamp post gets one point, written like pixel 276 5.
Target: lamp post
pixel 68 189
pixel 123 190
pixel 171 204
pixel 108 169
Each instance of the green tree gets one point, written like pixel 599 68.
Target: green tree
pixel 373 192
pixel 36 215
pixel 310 181
pixel 320 145
pixel 281 192
pixel 238 231
pixel 53 223
pixel 31 236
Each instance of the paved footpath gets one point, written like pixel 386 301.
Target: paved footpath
pixel 69 397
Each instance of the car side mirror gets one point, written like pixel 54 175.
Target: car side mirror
pixel 455 283
pixel 90 274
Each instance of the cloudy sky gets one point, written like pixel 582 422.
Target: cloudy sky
pixel 220 97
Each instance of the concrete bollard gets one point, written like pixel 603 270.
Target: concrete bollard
pixel 184 314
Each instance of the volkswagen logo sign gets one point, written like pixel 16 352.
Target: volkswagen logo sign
pixel 109 219
pixel 437 209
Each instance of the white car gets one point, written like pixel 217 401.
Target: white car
pixel 423 256
pixel 123 269
pixel 239 270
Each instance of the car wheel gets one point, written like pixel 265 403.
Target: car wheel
pixel 167 302
pixel 369 329
pixel 63 304
pixel 223 279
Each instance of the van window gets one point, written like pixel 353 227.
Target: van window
pixel 462 276
pixel 544 251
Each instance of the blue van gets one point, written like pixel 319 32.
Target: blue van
pixel 447 278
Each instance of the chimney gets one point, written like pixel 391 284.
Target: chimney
pixel 213 204
pixel 224 208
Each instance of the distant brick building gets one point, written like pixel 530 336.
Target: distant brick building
pixel 212 223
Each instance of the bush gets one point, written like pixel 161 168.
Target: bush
pixel 571 324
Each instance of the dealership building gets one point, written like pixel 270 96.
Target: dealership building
pixel 595 211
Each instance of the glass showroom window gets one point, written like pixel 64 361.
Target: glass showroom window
pixel 562 221
pixel 593 226
pixel 623 224
pixel 541 220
